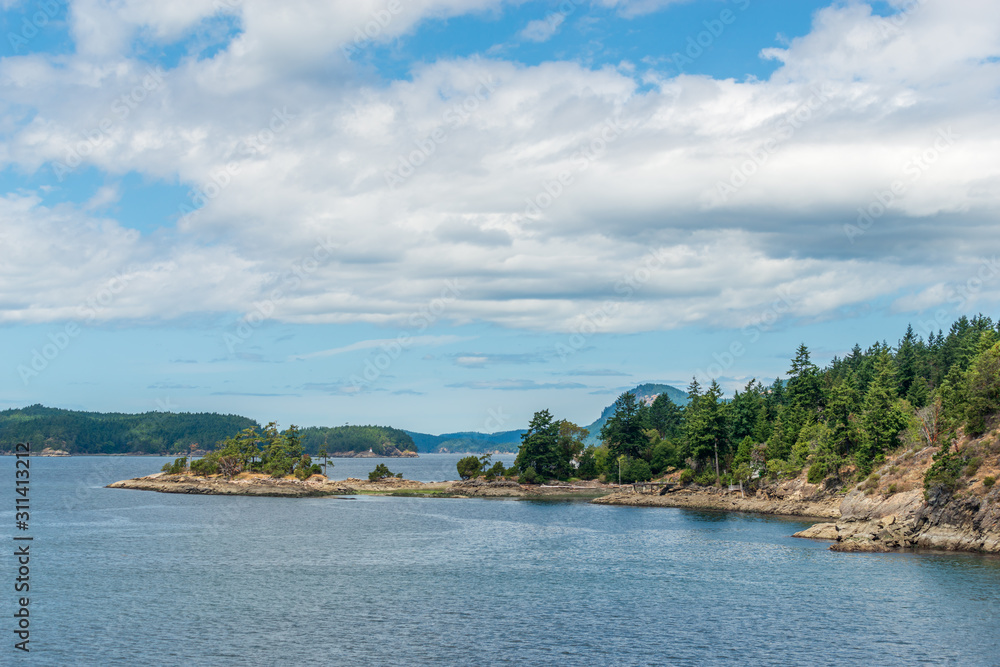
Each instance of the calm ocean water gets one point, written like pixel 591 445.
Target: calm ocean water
pixel 137 578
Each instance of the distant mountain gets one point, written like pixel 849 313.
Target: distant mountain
pixel 645 393
pixel 468 441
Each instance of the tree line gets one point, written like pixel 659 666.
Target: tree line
pixel 836 421
pixel 169 433
pixel 115 433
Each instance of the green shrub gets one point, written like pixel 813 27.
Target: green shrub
pixel 469 466
pixel 817 472
pixel 687 476
pixel 305 468
pixel 635 470
pixel 175 468
pixel 988 482
pixel 529 476
pixel 707 478
pixel 381 472
pixel 944 475
pixel 496 471
pixel 893 488
pixel 777 468
pixel 205 466
pixel 973 466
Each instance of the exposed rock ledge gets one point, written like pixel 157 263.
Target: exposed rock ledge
pixel 877 523
pixel 794 498
pixel 256 485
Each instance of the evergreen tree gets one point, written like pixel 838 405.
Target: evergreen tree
pixel 982 387
pixel 539 447
pixel 843 405
pixel 704 425
pixel 744 411
pixel 804 389
pixel 569 447
pixel 623 433
pixel 881 420
pixel 666 416
pixel 906 361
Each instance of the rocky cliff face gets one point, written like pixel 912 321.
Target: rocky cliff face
pixel 888 512
pixel 906 521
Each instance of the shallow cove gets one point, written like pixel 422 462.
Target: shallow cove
pixel 176 579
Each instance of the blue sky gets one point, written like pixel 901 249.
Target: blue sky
pixel 484 208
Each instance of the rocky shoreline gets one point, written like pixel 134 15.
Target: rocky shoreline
pixel 877 524
pixel 317 485
pixel 711 499
pixel 794 497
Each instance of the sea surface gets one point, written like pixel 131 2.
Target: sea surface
pixel 123 577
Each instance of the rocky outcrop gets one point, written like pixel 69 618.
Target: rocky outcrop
pixel 819 531
pixel 478 488
pixel 877 523
pixel 792 500
pixel 244 486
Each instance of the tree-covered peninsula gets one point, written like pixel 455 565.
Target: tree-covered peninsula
pixel 836 423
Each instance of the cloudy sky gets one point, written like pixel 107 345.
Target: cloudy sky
pixel 447 214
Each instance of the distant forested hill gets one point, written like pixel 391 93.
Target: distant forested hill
pixel 644 393
pixel 340 439
pixel 115 433
pixel 468 442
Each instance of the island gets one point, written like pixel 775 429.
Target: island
pixel 255 484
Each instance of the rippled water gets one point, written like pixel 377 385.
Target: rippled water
pixel 132 577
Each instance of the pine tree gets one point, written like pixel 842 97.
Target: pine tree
pixel 906 361
pixel 539 446
pixel 623 433
pixel 881 419
pixel 666 416
pixel 982 387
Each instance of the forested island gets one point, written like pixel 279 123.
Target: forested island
pixel 115 433
pixel 168 433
